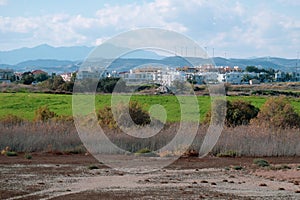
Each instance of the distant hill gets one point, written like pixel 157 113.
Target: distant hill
pixel 67 59
pixel 48 65
pixel 44 52
pixel 264 62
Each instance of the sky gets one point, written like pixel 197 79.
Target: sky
pixel 229 28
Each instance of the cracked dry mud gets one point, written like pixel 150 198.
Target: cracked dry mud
pixel 49 176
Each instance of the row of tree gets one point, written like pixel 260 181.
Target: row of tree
pixel 56 82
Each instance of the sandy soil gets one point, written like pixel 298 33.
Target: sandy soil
pixel 48 176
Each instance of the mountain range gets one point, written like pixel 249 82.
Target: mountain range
pixel 68 59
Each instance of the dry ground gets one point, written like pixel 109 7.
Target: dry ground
pixel 48 176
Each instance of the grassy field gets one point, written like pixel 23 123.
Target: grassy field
pixel 24 104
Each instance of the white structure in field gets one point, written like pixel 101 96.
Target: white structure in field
pixel 142 75
pixel 66 76
pixel 169 76
pixel 163 76
pixel 231 77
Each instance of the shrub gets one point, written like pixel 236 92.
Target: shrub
pixel 136 112
pixel 28 156
pixel 229 153
pixel 237 167
pixel 278 113
pixel 145 152
pixel 43 114
pixel 261 162
pixel 6 149
pixel 238 112
pixel 11 153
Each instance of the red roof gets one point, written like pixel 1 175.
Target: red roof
pixel 35 72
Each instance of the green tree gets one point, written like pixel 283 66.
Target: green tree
pixel 58 81
pixel 238 113
pixel 107 85
pixel 27 78
pixel 41 77
pixel 252 69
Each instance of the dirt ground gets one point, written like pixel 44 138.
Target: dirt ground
pixel 50 176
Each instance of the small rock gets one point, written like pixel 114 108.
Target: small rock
pixel 297 191
pixel 225 180
pixel 231 182
pixel 213 183
pixel 204 181
pixel 281 188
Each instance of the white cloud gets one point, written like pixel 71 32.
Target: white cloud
pixel 3 2
pixel 227 25
pixel 130 16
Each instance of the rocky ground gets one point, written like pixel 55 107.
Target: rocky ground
pixel 48 176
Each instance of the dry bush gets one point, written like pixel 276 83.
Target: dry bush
pixel 238 112
pixel 278 112
pixel 136 112
pixel 44 114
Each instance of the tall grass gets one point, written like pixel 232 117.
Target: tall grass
pixel 63 137
pixel 40 137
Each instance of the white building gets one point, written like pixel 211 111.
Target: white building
pixel 66 76
pixel 142 75
pixel 209 77
pixel 231 77
pixel 153 75
pixel 169 76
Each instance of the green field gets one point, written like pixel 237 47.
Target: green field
pixel 24 104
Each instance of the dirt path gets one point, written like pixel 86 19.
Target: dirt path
pixel 68 177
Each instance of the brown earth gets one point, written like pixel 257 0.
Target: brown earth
pixel 52 176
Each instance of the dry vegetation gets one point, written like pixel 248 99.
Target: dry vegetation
pixel 62 137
